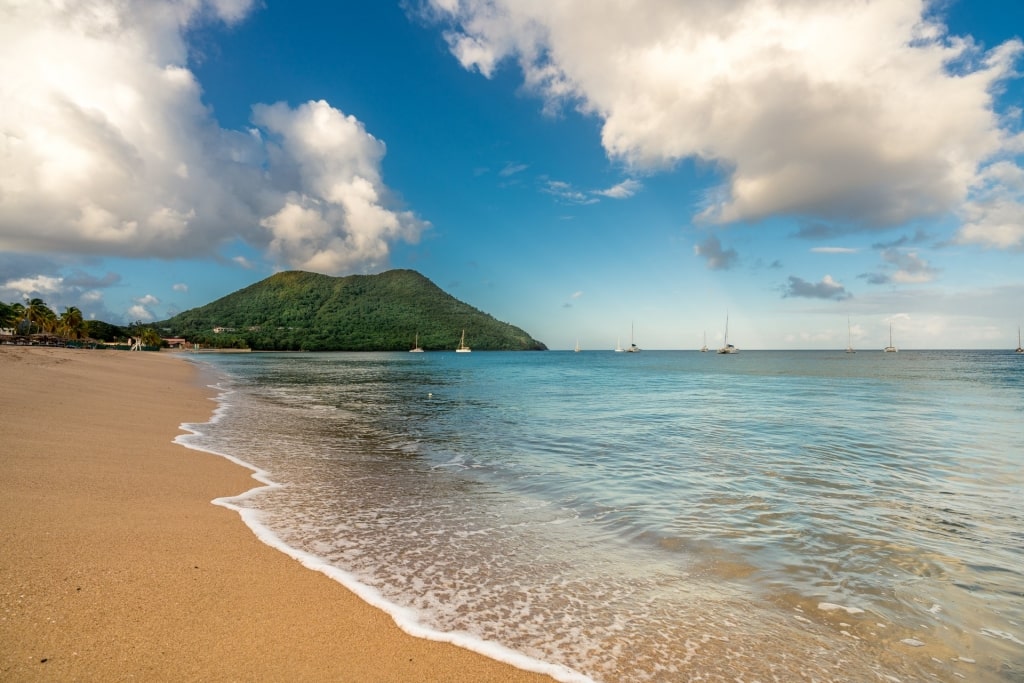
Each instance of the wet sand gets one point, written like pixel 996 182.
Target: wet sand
pixel 114 564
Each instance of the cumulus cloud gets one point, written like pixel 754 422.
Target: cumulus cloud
pixel 40 284
pixel 57 282
pixel 826 289
pixel 142 308
pixel 106 147
pixel 139 312
pixel 995 215
pixel 822 110
pixel 717 257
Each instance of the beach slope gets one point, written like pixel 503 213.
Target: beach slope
pixel 114 565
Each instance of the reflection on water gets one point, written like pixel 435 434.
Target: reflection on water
pixel 663 515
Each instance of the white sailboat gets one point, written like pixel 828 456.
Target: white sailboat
pixel 704 349
pixel 1019 348
pixel 618 345
pixel 849 337
pixel 416 345
pixel 890 348
pixel 577 349
pixel 633 348
pixel 462 348
pixel 727 347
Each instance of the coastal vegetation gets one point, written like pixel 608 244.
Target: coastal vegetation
pixel 35 321
pixel 301 311
pixel 36 317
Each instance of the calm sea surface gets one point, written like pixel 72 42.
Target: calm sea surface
pixel 660 516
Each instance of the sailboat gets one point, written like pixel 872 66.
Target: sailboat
pixel 704 349
pixel 416 345
pixel 890 348
pixel 727 348
pixel 1019 349
pixel 633 348
pixel 577 349
pixel 462 344
pixel 849 337
pixel 618 345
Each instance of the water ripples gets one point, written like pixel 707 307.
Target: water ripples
pixel 637 516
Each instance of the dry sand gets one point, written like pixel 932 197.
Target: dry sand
pixel 114 565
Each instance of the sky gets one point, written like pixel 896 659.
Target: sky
pixel 593 171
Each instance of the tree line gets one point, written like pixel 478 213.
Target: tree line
pixel 35 317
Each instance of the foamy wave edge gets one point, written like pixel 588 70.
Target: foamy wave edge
pixel 403 617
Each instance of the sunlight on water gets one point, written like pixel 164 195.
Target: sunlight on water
pixel 663 515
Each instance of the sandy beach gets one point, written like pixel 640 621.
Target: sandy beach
pixel 114 564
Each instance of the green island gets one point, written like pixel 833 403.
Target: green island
pixel 300 311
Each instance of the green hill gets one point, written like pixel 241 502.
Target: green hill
pixel 296 311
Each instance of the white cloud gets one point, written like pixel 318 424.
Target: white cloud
pixel 567 193
pixel 995 215
pixel 624 190
pixel 179 287
pixel 107 147
pixel 140 312
pixel 147 300
pixel 834 250
pixel 40 284
pixel 824 110
pixel 511 169
pixel 335 219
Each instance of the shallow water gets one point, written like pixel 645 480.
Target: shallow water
pixel 659 516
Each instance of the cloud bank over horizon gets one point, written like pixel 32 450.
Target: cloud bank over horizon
pixel 866 115
pixel 106 147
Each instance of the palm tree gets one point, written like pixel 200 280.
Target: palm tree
pixel 72 324
pixel 47 319
pixel 17 316
pixel 31 313
pixel 7 317
pixel 150 337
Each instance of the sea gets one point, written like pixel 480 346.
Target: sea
pixel 653 516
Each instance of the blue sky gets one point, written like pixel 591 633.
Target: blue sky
pixel 579 169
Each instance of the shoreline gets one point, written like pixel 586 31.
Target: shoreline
pixel 116 564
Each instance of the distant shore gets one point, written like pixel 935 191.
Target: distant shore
pixel 114 564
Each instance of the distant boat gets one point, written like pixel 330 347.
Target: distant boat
pixel 633 348
pixel 704 349
pixel 849 338
pixel 462 345
pixel 1019 349
pixel 890 348
pixel 416 345
pixel 618 345
pixel 727 348
pixel 577 349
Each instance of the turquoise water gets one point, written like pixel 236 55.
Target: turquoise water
pixel 659 516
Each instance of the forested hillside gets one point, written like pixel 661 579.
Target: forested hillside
pixel 296 310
